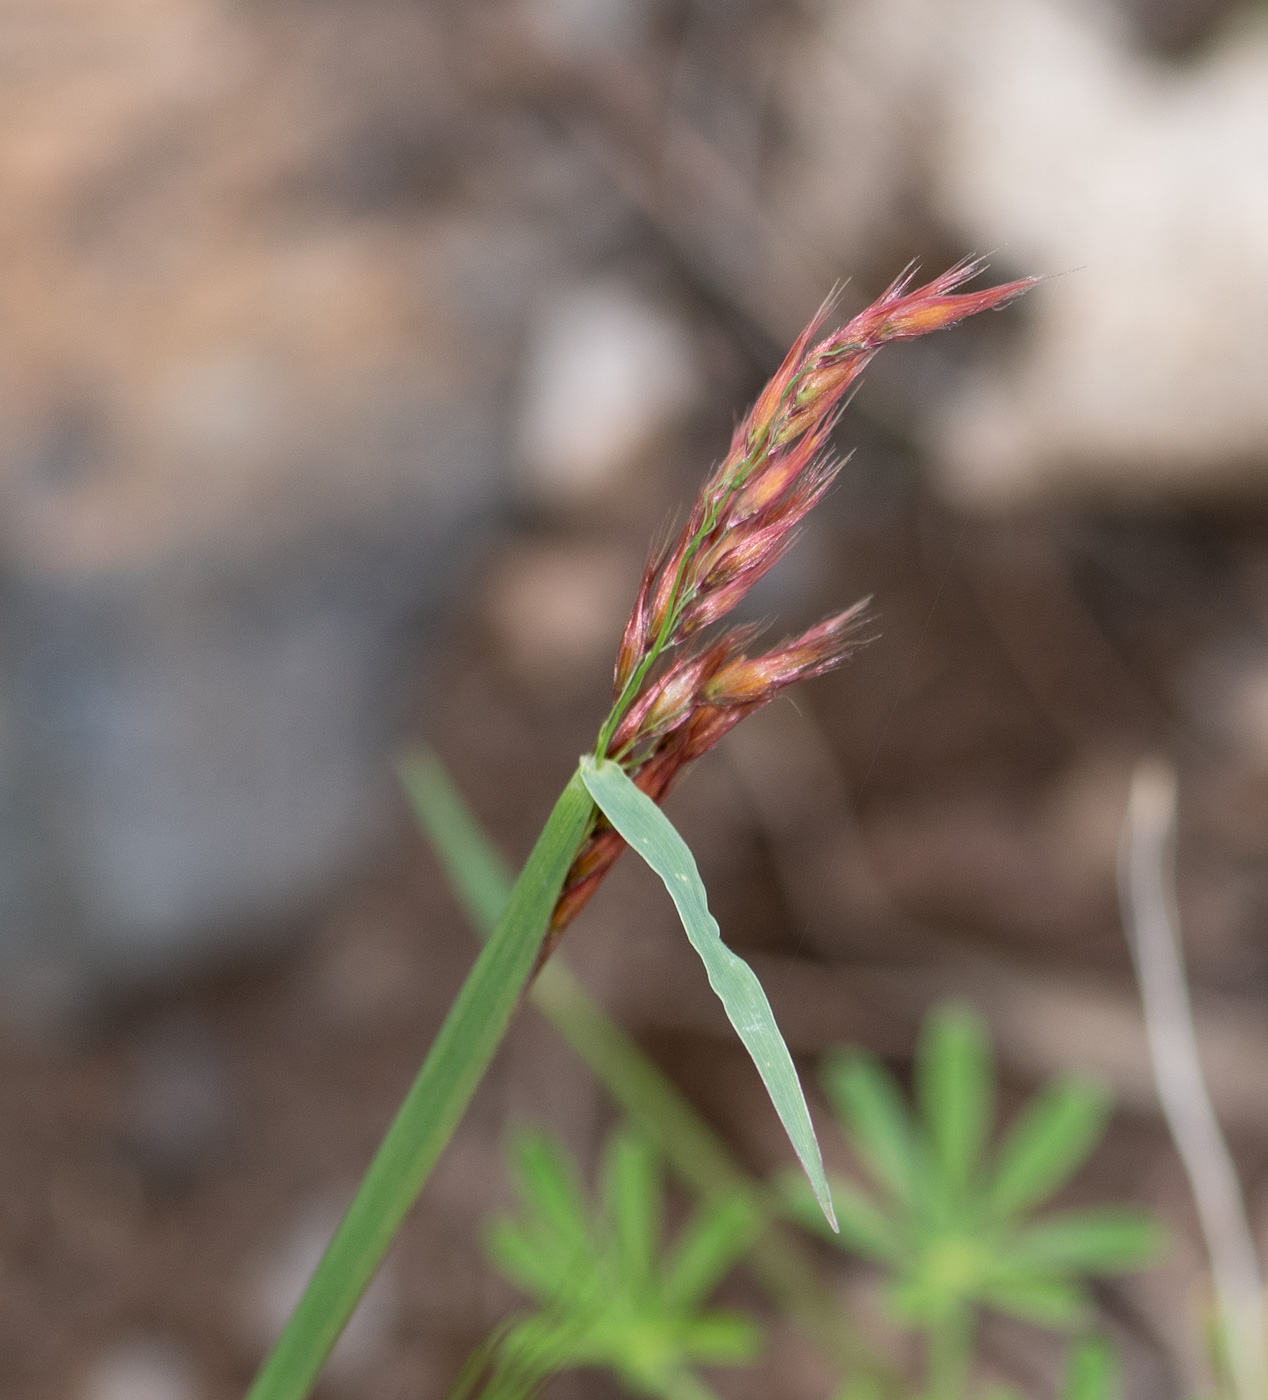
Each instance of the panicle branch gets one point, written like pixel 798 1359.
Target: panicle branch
pixel 667 712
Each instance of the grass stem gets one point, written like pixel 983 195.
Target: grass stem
pixel 436 1101
pixel 480 881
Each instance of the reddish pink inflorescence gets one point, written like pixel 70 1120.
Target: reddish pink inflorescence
pixel 666 713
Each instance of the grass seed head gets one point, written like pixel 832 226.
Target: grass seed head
pixel 669 710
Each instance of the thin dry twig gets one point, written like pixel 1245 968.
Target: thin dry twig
pixel 1147 896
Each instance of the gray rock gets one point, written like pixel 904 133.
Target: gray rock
pixel 194 748
pixel 242 450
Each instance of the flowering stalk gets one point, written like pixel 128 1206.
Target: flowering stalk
pixel 667 712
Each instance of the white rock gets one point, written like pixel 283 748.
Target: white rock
pixel 605 373
pixel 1034 127
pixel 142 1368
pixel 1146 365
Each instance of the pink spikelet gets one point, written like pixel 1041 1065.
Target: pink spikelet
pixel 668 710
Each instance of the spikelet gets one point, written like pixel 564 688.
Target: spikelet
pixel 669 710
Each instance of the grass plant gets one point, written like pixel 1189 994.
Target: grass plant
pixel 678 688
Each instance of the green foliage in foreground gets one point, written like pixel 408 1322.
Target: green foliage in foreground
pixel 949 1222
pixel 606 1296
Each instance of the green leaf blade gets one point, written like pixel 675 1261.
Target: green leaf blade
pixel 1038 1298
pixel 1051 1138
pixel 716 1237
pixel 875 1119
pixel 1110 1240
pixel 956 1092
pixel 649 832
pixel 518 1255
pixel 722 1339
pixel 479 877
pixel 632 1200
pixel 550 1188
pixel 1091 1371
pixel 455 1064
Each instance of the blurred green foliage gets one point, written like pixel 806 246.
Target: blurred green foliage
pixel 949 1220
pixel 607 1296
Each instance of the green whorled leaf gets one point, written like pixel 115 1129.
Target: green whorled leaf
pixel 650 832
pixel 722 1339
pixel 918 1301
pixel 1036 1297
pixel 632 1197
pixel 478 1363
pixel 530 1352
pixel 876 1121
pixel 535 1260
pixel 863 1228
pixel 863 1387
pixel 1091 1371
pixel 713 1240
pixel 549 1186
pixel 956 1093
pixel 1050 1139
pixel 1111 1240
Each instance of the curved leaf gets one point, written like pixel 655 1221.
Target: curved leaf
pixel 715 1238
pixel 650 832
pixel 1036 1297
pixel 722 1339
pixel 547 1181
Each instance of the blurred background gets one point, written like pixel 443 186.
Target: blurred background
pixel 351 354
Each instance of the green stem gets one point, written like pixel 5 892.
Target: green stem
pixel 949 1353
pixel 481 882
pixel 454 1066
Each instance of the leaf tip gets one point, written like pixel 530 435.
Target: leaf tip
pixel 823 1194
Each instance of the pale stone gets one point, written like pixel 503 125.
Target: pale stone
pixel 142 1368
pixel 1039 130
pixel 1143 369
pixel 605 373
